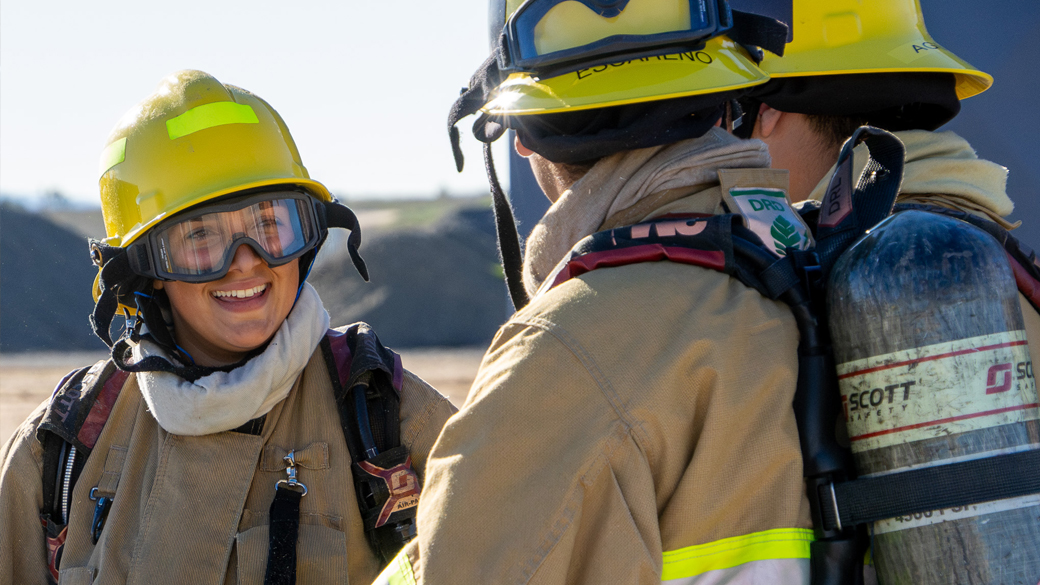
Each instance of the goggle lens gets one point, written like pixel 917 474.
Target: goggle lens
pixel 551 32
pixel 201 244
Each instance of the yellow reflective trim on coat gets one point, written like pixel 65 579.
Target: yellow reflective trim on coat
pixel 208 116
pixel 113 154
pixel 398 572
pixel 781 543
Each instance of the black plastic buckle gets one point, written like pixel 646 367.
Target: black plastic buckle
pixel 807 266
pixel 388 495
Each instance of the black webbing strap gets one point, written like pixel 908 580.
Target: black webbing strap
pixel 284 531
pixel 933 488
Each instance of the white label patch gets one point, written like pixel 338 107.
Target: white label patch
pixel 769 214
pixel 958 513
pixel 913 51
pixel 938 390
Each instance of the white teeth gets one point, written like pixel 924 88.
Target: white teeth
pixel 241 294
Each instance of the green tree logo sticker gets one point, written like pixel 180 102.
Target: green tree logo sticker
pixel 785 234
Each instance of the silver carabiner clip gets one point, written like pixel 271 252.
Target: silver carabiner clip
pixel 290 470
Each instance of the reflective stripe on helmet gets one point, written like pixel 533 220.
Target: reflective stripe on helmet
pixel 208 116
pixel 113 154
pixel 771 556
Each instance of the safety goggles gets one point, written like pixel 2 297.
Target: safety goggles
pixel 561 35
pixel 199 245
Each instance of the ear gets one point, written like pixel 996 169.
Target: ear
pixel 767 120
pixel 157 284
pixel 521 149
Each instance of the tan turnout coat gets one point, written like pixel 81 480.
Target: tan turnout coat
pixel 631 424
pixel 195 509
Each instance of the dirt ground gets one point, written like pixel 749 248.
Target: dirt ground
pixel 25 381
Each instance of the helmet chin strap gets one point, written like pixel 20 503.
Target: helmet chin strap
pixel 488 129
pixel 509 249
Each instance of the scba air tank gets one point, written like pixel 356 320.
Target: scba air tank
pixel 934 368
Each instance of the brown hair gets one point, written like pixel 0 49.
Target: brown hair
pixel 835 130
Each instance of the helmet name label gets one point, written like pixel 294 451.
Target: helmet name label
pixel 697 57
pixel 914 51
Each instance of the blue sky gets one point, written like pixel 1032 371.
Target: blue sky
pixel 364 86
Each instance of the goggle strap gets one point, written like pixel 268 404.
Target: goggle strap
pixel 508 238
pixel 755 30
pixel 341 216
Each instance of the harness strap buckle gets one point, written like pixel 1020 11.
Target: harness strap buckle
pixel 834 503
pixel 290 469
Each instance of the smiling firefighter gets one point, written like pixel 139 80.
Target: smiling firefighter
pixel 233 436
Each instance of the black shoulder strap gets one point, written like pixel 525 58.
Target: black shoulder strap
pixel 367 379
pixel 71 425
pixel 71 414
pixel 358 361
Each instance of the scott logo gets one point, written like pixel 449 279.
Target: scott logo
pixel 998 379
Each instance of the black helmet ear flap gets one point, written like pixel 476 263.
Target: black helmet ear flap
pixel 115 275
pixel 119 284
pixel 340 216
pixel 471 99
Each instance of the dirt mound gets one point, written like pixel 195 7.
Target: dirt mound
pixel 434 283
pixel 431 285
pixel 45 282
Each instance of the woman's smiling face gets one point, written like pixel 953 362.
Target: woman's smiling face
pixel 220 322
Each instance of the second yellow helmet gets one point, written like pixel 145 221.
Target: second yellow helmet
pixel 837 37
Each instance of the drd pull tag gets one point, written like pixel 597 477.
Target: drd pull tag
pixel 290 469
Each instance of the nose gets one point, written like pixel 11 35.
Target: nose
pixel 245 259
